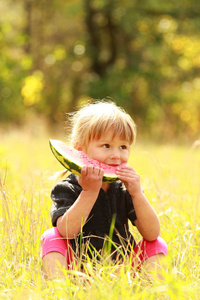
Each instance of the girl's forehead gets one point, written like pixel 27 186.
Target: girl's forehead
pixel 110 135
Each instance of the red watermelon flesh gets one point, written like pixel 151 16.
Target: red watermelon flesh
pixel 74 160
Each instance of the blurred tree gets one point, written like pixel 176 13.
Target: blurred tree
pixel 146 55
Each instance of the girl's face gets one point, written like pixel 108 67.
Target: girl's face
pixel 108 149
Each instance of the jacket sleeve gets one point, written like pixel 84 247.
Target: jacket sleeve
pixel 63 195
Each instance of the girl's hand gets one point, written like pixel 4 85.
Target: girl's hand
pixel 147 221
pixel 91 178
pixel 76 216
pixel 131 180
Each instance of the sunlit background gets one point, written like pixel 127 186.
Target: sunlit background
pixel 54 57
pixel 57 55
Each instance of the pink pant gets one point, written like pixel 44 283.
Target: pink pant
pixel 52 241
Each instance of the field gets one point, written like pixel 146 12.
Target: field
pixel 170 176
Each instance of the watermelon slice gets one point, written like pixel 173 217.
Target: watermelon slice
pixel 74 160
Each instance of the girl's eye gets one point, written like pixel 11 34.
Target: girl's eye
pixel 106 146
pixel 123 147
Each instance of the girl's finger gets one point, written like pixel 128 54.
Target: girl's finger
pixel 84 171
pixel 98 171
pixel 90 169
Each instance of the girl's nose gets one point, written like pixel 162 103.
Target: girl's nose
pixel 115 154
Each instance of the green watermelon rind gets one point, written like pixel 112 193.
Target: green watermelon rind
pixel 74 167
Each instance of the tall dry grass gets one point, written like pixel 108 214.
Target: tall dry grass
pixel 170 176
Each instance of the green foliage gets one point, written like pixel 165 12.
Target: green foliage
pixel 143 54
pixel 170 178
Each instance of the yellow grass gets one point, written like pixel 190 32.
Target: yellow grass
pixel 170 176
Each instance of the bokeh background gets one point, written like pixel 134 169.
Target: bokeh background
pixel 56 55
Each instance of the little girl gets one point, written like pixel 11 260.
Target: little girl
pixel 86 212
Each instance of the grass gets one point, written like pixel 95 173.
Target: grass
pixel 170 176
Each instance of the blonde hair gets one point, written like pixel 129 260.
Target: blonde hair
pixel 92 120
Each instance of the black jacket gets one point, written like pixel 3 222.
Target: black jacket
pixel 108 219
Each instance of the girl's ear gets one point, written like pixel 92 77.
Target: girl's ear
pixel 78 146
